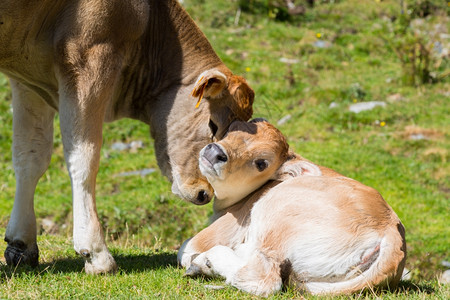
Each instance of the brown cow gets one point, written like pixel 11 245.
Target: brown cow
pixel 279 218
pixel 98 60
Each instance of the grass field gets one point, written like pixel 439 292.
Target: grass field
pixel 401 149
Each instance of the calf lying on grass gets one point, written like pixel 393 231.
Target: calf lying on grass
pixel 280 219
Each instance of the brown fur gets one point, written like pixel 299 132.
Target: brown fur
pixel 101 60
pixel 282 218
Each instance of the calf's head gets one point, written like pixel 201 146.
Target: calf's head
pixel 246 158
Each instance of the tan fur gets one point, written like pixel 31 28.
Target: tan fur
pixel 100 60
pixel 299 212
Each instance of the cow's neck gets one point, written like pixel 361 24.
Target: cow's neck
pixel 172 53
pixel 197 53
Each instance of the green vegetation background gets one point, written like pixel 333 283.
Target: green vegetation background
pixel 401 149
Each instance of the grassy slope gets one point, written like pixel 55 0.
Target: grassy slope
pixel 141 214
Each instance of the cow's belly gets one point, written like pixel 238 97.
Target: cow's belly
pixel 44 85
pixel 26 51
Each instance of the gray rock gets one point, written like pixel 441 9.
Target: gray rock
pixel 362 106
pixel 417 137
pixel 119 146
pixel 132 146
pixel 322 44
pixel 135 145
pixel 445 277
pixel 333 105
pixel 49 226
pixel 143 172
pixel 284 119
pixel 289 60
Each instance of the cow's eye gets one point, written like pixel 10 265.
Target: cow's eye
pixel 213 127
pixel 261 164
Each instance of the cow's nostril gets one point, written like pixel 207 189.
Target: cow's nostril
pixel 202 196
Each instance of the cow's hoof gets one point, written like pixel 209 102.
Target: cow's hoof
pixel 98 263
pixel 17 253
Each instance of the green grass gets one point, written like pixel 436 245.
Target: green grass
pixel 148 273
pixel 145 223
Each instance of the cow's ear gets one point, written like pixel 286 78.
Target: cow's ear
pixel 243 97
pixel 209 84
pixel 295 168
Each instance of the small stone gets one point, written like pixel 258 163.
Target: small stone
pixel 289 60
pixel 445 277
pixel 119 146
pixel 143 172
pixel 333 105
pixel 49 226
pixel 132 146
pixel 417 137
pixel 284 119
pixel 135 145
pixel 322 44
pixel 362 106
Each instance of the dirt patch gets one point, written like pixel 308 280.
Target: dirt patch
pixel 413 132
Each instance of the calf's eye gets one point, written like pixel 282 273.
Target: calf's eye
pixel 261 164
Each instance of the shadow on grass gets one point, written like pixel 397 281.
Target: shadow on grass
pixel 136 263
pixel 126 264
pixel 409 286
pixel 404 288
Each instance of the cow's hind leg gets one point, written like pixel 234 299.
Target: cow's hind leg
pixel 32 149
pixel 246 268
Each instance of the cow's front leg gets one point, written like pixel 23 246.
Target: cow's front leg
pixel 82 107
pixel 32 149
pixel 82 140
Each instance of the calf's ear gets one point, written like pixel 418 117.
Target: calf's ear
pixel 209 84
pixel 296 168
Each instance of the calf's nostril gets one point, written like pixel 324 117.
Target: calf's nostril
pixel 222 157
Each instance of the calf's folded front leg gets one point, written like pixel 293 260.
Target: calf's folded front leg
pixel 245 268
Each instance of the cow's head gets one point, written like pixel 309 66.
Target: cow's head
pixel 228 98
pixel 247 157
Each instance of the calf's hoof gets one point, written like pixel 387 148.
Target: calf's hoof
pixel 98 263
pixel 18 253
pixel 193 271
